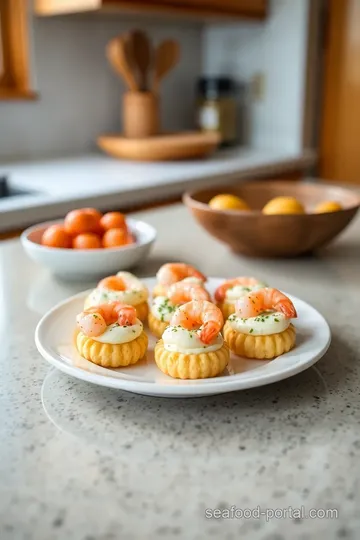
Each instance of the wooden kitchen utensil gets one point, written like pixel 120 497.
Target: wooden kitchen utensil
pixel 167 56
pixel 140 114
pixel 142 52
pixel 170 147
pixel 131 57
pixel 120 57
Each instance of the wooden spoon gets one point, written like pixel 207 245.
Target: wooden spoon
pixel 166 57
pixel 141 51
pixel 120 58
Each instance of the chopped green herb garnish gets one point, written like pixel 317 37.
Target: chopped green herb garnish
pixel 251 330
pixel 276 320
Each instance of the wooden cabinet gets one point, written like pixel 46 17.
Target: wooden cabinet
pixel 250 8
pixel 14 58
pixel 340 119
pixel 254 9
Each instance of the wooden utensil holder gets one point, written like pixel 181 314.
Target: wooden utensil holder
pixel 140 115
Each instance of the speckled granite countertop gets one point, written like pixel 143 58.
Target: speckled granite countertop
pixel 80 462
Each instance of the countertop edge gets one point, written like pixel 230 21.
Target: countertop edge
pixel 30 209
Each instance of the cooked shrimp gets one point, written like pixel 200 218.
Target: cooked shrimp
pixel 201 315
pixel 94 321
pixel 185 291
pixel 266 299
pixel 113 283
pixel 126 315
pixel 91 324
pixel 171 273
pixel 123 281
pixel 105 310
pixel 220 292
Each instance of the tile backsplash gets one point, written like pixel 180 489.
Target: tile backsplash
pixel 79 95
pixel 275 49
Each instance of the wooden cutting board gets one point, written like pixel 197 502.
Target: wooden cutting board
pixel 167 147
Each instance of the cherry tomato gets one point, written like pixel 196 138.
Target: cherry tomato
pixel 55 236
pixel 93 211
pixel 114 238
pixel 87 241
pixel 113 220
pixel 82 221
pixel 130 238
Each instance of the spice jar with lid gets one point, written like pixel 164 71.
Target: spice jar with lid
pixel 216 109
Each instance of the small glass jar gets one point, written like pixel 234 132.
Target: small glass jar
pixel 216 108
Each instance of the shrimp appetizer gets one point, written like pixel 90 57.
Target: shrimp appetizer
pixel 261 327
pixel 171 273
pixel 192 346
pixel 125 288
pixel 164 306
pixel 111 335
pixel 231 290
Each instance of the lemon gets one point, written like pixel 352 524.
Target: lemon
pixel 327 206
pixel 225 201
pixel 283 205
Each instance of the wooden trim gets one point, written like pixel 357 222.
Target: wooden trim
pixel 250 8
pixel 8 235
pixel 335 40
pixel 12 94
pixel 58 7
pixel 15 83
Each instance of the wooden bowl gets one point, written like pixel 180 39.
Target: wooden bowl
pixel 170 147
pixel 256 234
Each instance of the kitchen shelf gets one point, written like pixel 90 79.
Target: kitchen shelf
pixel 230 9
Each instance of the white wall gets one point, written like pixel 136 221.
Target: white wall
pixel 80 95
pixel 276 47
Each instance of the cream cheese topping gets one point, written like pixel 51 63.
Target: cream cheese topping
pixel 115 334
pixel 180 340
pixel 162 308
pixel 262 325
pixel 236 292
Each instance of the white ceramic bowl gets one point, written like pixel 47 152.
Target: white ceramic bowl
pixel 77 264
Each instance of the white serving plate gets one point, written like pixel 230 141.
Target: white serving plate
pixel 54 337
pixel 86 264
